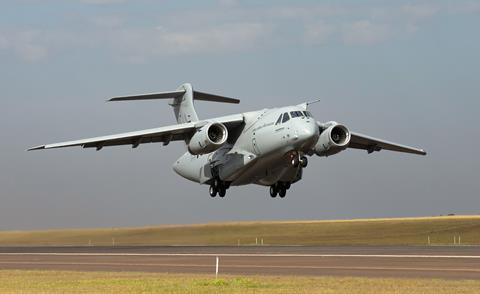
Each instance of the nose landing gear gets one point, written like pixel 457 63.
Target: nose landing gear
pixel 303 161
pixel 295 159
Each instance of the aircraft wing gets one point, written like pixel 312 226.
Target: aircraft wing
pixel 359 141
pixel 165 134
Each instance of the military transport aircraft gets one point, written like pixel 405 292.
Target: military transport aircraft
pixel 266 147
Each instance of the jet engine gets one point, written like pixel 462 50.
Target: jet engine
pixel 208 139
pixel 333 139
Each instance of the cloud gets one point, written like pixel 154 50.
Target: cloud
pixel 308 12
pixel 467 7
pixel 219 28
pixel 24 44
pixel 137 44
pixel 228 3
pixel 4 44
pixel 107 21
pixel 102 2
pixel 364 32
pixel 420 11
pixel 318 33
pixel 141 44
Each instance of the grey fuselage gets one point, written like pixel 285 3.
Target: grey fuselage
pixel 257 153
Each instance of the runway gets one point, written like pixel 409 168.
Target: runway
pixel 365 261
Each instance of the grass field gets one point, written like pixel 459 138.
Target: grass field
pixel 395 231
pixel 12 281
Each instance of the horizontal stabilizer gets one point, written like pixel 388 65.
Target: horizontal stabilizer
pixel 174 94
pixel 214 98
pixel 151 96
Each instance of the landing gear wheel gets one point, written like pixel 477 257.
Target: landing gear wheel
pixel 212 191
pixel 273 191
pixel 287 185
pixel 282 192
pixel 303 161
pixel 222 191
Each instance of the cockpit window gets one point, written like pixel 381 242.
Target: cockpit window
pixel 286 117
pixel 296 114
pixel 279 120
pixel 307 114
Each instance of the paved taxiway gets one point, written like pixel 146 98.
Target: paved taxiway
pixel 386 261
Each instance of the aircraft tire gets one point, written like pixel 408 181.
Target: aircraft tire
pixel 303 161
pixel 222 191
pixel 273 191
pixel 212 191
pixel 282 192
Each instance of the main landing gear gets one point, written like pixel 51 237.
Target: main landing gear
pixel 218 186
pixel 279 188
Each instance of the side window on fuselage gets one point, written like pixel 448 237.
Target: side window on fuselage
pixel 279 120
pixel 286 117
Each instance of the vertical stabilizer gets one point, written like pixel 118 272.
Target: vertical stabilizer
pixel 183 105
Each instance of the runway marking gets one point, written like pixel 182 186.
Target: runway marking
pixel 240 255
pixel 245 266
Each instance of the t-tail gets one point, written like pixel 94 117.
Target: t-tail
pixel 182 101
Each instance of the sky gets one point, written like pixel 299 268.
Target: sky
pixel 406 71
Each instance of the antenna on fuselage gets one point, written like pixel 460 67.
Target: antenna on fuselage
pixel 305 105
pixel 312 102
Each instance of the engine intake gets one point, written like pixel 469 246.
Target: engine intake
pixel 333 139
pixel 208 139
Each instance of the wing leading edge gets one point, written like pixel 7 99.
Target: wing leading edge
pixel 360 141
pixel 165 134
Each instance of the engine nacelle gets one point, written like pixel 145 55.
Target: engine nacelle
pixel 208 139
pixel 333 139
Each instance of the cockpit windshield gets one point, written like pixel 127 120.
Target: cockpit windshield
pixel 296 114
pixel 293 114
pixel 307 114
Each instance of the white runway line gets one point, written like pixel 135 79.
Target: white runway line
pixel 240 255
